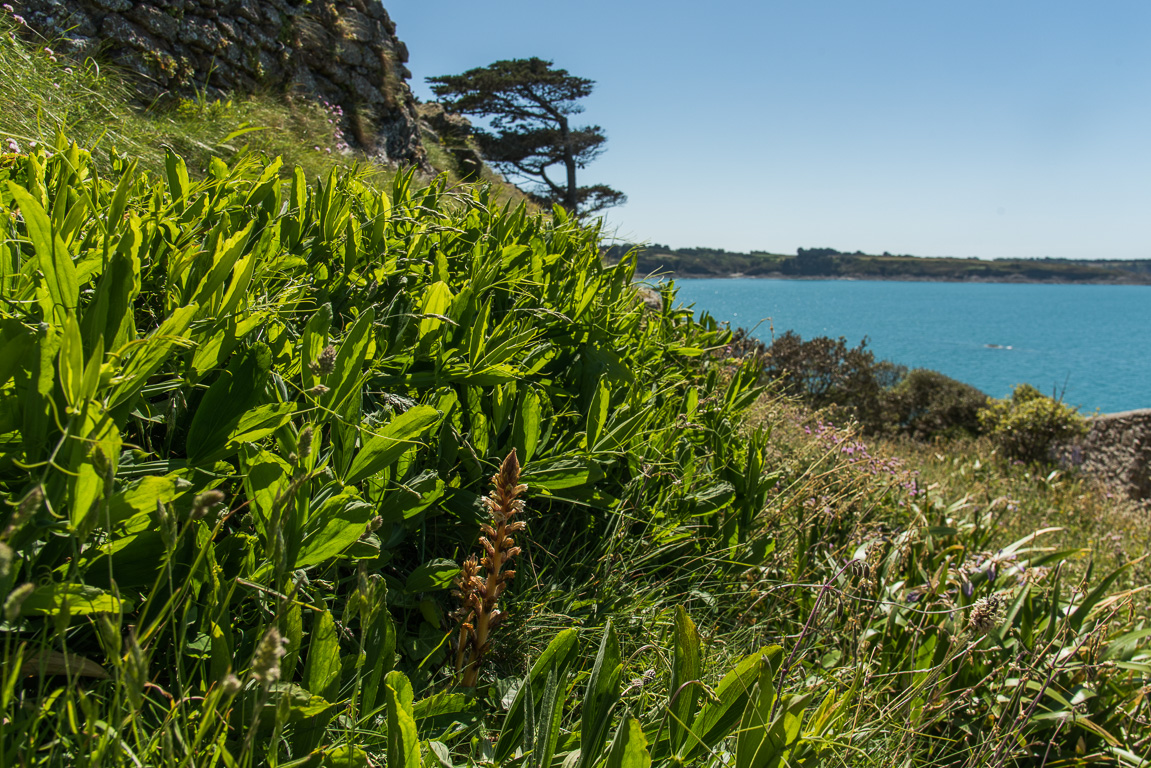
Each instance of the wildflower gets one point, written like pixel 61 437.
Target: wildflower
pixel 19 20
pixel 317 391
pixel 13 147
pixel 478 596
pixel 326 362
pixel 8 8
pixel 986 614
pixel 49 51
pixel 266 663
pixel 16 600
pixel 205 503
pixel 68 70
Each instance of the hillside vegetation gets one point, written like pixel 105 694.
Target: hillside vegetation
pixel 346 472
pixel 829 263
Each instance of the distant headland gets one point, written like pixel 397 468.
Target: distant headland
pixel 828 263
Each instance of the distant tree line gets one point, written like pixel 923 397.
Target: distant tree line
pixel 829 262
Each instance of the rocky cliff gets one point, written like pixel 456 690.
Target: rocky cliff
pixel 344 52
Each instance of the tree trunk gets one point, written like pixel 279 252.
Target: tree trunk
pixel 571 197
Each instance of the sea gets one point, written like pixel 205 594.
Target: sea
pixel 1088 344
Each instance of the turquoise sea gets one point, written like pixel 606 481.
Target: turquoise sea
pixel 1090 343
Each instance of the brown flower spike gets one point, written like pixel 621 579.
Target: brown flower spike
pixel 479 594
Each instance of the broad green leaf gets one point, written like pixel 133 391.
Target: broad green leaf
pixel 597 414
pixel 56 263
pixel 349 362
pixel 432 575
pixel 603 691
pixel 149 354
pixel 387 445
pixel 177 175
pixel 717 717
pixel 684 688
pixel 322 666
pixel 548 722
pixel 16 342
pixel 338 524
pixel 403 743
pixel 345 756
pixel 108 315
pixel 554 474
pixel 313 342
pixel 238 389
pixel 629 747
pixel 558 656
pixel 96 454
pixel 76 599
pixel 526 430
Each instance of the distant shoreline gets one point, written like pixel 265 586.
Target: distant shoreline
pixel 1021 279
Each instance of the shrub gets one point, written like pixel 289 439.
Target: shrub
pixel 825 372
pixel 1029 424
pixel 927 404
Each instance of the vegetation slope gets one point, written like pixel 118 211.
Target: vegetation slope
pixel 248 424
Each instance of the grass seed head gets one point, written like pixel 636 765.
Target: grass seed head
pixel 266 663
pixel 986 614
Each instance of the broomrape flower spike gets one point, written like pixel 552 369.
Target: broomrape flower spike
pixel 478 613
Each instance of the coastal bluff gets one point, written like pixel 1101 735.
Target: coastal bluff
pixel 1117 450
pixel 344 52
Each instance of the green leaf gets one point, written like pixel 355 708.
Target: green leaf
pixel 684 688
pixel 16 342
pixel 432 575
pixel 338 524
pixel 345 756
pixel 597 414
pixel 322 667
pixel 629 747
pixel 558 656
pixel 76 599
pixel 385 447
pixel 238 389
pixel 717 717
pixel 554 474
pixel 150 354
pixel 56 264
pixel 603 691
pixel 526 430
pixel 345 377
pixel 548 722
pixel 313 342
pixel 177 175
pixel 403 743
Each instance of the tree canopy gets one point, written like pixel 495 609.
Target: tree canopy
pixel 530 102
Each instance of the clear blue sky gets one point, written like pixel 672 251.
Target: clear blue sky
pixel 974 128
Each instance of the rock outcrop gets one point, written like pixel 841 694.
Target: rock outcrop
pixel 1117 449
pixel 344 52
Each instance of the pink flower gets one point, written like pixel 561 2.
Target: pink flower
pixel 13 146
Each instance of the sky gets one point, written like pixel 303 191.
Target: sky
pixel 1005 129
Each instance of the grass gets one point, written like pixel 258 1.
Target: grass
pixel 98 107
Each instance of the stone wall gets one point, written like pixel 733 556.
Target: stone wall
pixel 342 51
pixel 1117 449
